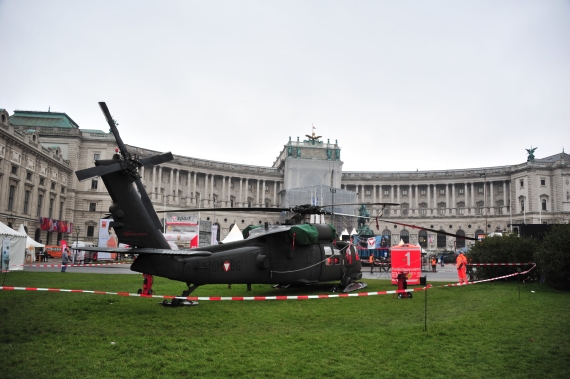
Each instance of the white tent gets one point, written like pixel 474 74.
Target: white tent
pixel 353 232
pixel 30 245
pixel 13 247
pixel 233 235
pixel 29 241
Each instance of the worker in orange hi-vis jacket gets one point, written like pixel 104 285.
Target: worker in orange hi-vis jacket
pixel 461 264
pixel 371 260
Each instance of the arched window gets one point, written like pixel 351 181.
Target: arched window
pixel 460 242
pixel 543 204
pixel 423 238
pixel 405 236
pixel 387 235
pixel 37 235
pixel 479 232
pixel 441 239
pixel 59 237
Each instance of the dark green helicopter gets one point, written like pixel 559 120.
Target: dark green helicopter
pixel 283 255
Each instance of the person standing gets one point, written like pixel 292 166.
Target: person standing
pixel 64 259
pixel 433 263
pixel 441 260
pixel 461 264
pixel 371 260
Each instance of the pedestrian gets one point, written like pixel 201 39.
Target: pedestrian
pixel 441 260
pixel 461 264
pixel 64 259
pixel 371 260
pixel 433 263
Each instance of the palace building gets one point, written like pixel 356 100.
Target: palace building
pixel 40 152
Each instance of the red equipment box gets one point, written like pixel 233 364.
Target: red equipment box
pixel 407 259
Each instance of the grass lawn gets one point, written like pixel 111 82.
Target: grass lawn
pixel 478 331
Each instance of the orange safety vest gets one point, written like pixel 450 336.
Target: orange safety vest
pixel 433 261
pixel 461 261
pixel 371 259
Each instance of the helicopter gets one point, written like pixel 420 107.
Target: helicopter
pixel 286 254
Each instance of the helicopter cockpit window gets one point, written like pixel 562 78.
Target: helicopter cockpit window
pixel 332 256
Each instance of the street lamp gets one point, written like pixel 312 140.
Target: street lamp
pixel 485 199
pixel 11 220
pixel 333 191
pixel 77 230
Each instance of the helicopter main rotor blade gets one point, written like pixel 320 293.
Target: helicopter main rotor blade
pixel 228 209
pixel 358 204
pixel 98 171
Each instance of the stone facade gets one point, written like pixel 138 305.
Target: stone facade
pixel 466 202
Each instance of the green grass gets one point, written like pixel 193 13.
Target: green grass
pixel 479 331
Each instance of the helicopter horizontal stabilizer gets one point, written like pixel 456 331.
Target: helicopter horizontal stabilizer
pixel 143 250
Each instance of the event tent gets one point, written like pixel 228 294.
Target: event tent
pixel 13 247
pixel 31 245
pixel 233 235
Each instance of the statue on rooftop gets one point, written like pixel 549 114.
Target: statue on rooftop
pixel 531 153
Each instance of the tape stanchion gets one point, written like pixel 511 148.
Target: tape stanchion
pixel 219 298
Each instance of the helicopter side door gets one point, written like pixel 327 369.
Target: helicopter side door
pixel 331 267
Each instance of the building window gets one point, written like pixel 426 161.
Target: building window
pixel 96 156
pixel 480 207
pixel 461 207
pixel 42 181
pixel 11 194
pixel 500 207
pixel 499 190
pixel 62 189
pixel 367 192
pixel 522 205
pixel 543 204
pixel 423 211
pixel 422 192
pixel 92 207
pixel 480 190
pixel 386 193
pixel 522 183
pixel 90 231
pixel 460 242
pixel 26 201
pixel 50 213
pixel 442 191
pixel 232 184
pixel 40 201
pixel 461 191
pixel 94 183
pixel 441 240
pixel 441 208
pixel 61 210
pixel 266 188
pixel 28 176
pixel 404 209
pixel 15 170
pixel 53 186
pixel 404 192
pixel 543 182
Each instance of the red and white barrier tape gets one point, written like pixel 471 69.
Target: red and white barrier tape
pixel 500 264
pixel 72 265
pixel 220 298
pixel 489 280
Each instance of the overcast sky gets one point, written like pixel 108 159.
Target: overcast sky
pixel 402 85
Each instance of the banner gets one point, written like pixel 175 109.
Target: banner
pixel 183 227
pixel 5 254
pixel 107 238
pixel 52 225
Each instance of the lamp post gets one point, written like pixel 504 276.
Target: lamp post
pixel 77 230
pixel 485 199
pixel 11 220
pixel 333 191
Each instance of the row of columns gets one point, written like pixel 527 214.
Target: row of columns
pixel 431 197
pixel 206 192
